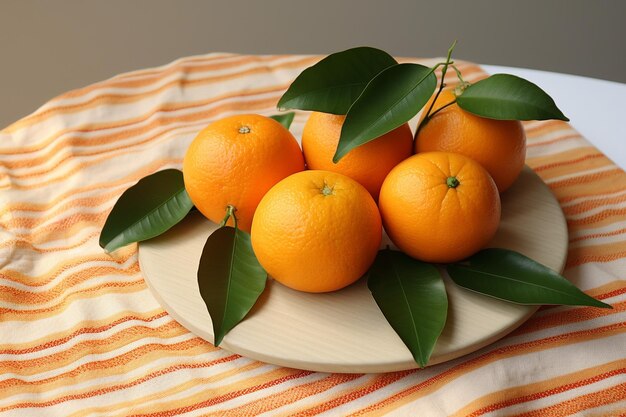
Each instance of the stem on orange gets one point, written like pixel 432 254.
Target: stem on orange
pixel 230 212
pixel 444 69
pixel 441 108
pixel 452 182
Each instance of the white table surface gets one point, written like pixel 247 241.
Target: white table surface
pixel 596 108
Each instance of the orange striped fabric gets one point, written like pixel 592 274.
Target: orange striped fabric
pixel 81 335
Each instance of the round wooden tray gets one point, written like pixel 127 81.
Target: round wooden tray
pixel 344 331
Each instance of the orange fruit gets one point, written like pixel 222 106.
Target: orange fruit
pixel 316 231
pixel 368 164
pixel 439 206
pixel 235 161
pixel 498 145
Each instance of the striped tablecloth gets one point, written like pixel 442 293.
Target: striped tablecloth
pixel 81 335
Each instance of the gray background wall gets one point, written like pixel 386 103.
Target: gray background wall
pixel 49 47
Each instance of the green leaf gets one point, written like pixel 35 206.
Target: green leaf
pixel 511 276
pixel 230 278
pixel 147 209
pixel 412 296
pixel 391 99
pixel 284 119
pixel 507 97
pixel 332 85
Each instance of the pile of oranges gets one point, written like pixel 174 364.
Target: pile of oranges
pixel 317 226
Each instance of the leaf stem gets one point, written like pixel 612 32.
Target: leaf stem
pixel 462 83
pixel 458 74
pixel 444 69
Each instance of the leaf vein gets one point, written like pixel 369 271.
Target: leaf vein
pixel 406 299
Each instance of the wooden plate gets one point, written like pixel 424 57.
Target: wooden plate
pixel 345 331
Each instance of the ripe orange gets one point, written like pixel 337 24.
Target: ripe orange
pixel 368 164
pixel 439 206
pixel 316 231
pixel 498 145
pixel 235 161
